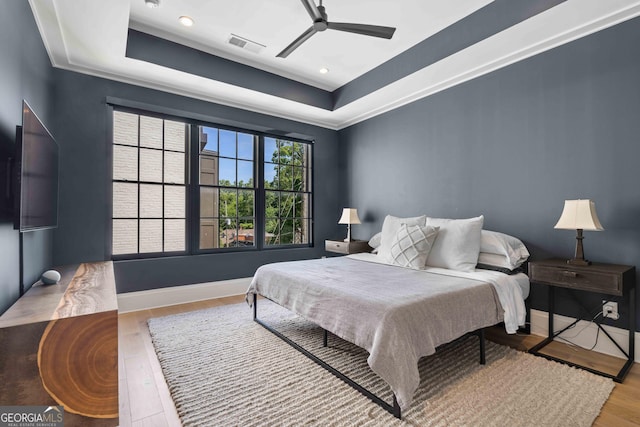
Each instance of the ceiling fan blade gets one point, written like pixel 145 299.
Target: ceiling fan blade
pixel 297 42
pixel 312 9
pixel 366 30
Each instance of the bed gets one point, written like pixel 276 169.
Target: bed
pixel 397 313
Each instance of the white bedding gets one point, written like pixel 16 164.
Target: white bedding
pixel 511 297
pixel 397 314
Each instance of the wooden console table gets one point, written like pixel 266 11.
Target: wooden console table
pixel 60 346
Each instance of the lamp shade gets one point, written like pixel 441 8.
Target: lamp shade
pixel 579 215
pixel 349 216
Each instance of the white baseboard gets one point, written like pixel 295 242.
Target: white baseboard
pixel 586 338
pixel 154 298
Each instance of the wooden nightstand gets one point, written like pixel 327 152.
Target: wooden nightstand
pixel 608 279
pixel 342 247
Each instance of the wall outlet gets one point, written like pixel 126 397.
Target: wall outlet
pixel 610 310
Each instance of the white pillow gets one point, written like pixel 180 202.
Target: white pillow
pixel 375 241
pixel 458 243
pixel 513 249
pixel 494 260
pixel 412 244
pixel 390 227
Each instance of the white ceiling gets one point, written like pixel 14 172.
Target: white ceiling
pixel 90 36
pixel 275 24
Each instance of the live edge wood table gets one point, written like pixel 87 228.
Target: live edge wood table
pixel 607 279
pixel 59 346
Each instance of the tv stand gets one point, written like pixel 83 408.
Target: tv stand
pixel 60 346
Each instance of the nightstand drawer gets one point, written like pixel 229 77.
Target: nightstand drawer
pixel 352 247
pixel 596 281
pixel 336 246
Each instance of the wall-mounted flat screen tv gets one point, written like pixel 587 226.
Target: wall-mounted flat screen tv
pixel 36 191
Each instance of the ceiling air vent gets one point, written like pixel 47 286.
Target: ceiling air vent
pixel 246 44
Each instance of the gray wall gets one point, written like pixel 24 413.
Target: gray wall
pixel 513 145
pixel 81 121
pixel 24 74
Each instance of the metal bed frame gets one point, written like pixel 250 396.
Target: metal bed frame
pixel 392 408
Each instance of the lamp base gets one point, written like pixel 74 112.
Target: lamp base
pixel 577 261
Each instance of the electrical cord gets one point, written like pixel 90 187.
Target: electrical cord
pixel 567 339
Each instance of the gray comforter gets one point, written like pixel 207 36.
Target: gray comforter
pixel 398 315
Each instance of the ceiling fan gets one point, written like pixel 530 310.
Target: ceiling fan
pixel 320 23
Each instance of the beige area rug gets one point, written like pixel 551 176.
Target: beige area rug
pixel 223 369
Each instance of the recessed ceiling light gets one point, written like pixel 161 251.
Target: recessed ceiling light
pixel 152 4
pixel 324 70
pixel 187 21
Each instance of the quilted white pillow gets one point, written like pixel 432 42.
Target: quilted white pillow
pixel 390 228
pixel 458 243
pixel 412 244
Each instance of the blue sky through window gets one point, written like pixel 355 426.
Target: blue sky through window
pixel 233 145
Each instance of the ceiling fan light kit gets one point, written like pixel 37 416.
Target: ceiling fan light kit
pixel 320 23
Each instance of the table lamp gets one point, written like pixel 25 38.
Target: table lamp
pixel 579 215
pixel 349 216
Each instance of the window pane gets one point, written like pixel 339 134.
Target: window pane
pixel 150 132
pixel 125 200
pixel 209 233
pixel 173 167
pixel 208 202
pixel 174 232
pixel 150 201
pixel 246 235
pixel 272 236
pixel 150 235
pixel 227 143
pixel 285 177
pixel 301 231
pixel 272 204
pixel 270 150
pixel 245 146
pixel 227 172
pixel 245 174
pixel 174 135
pixel 270 175
pixel 245 203
pixel 125 128
pixel 161 156
pixel 299 181
pixel 299 154
pixel 208 170
pixel 209 140
pixel 286 231
pixel 125 163
pixel 286 205
pixel 125 236
pixel 303 205
pixel 174 201
pixel 228 232
pixel 286 152
pixel 150 165
pixel 228 203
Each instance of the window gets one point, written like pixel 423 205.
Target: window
pixel 149 191
pixel 248 191
pixel 287 178
pixel 227 188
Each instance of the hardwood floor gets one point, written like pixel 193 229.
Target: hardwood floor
pixel 145 399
